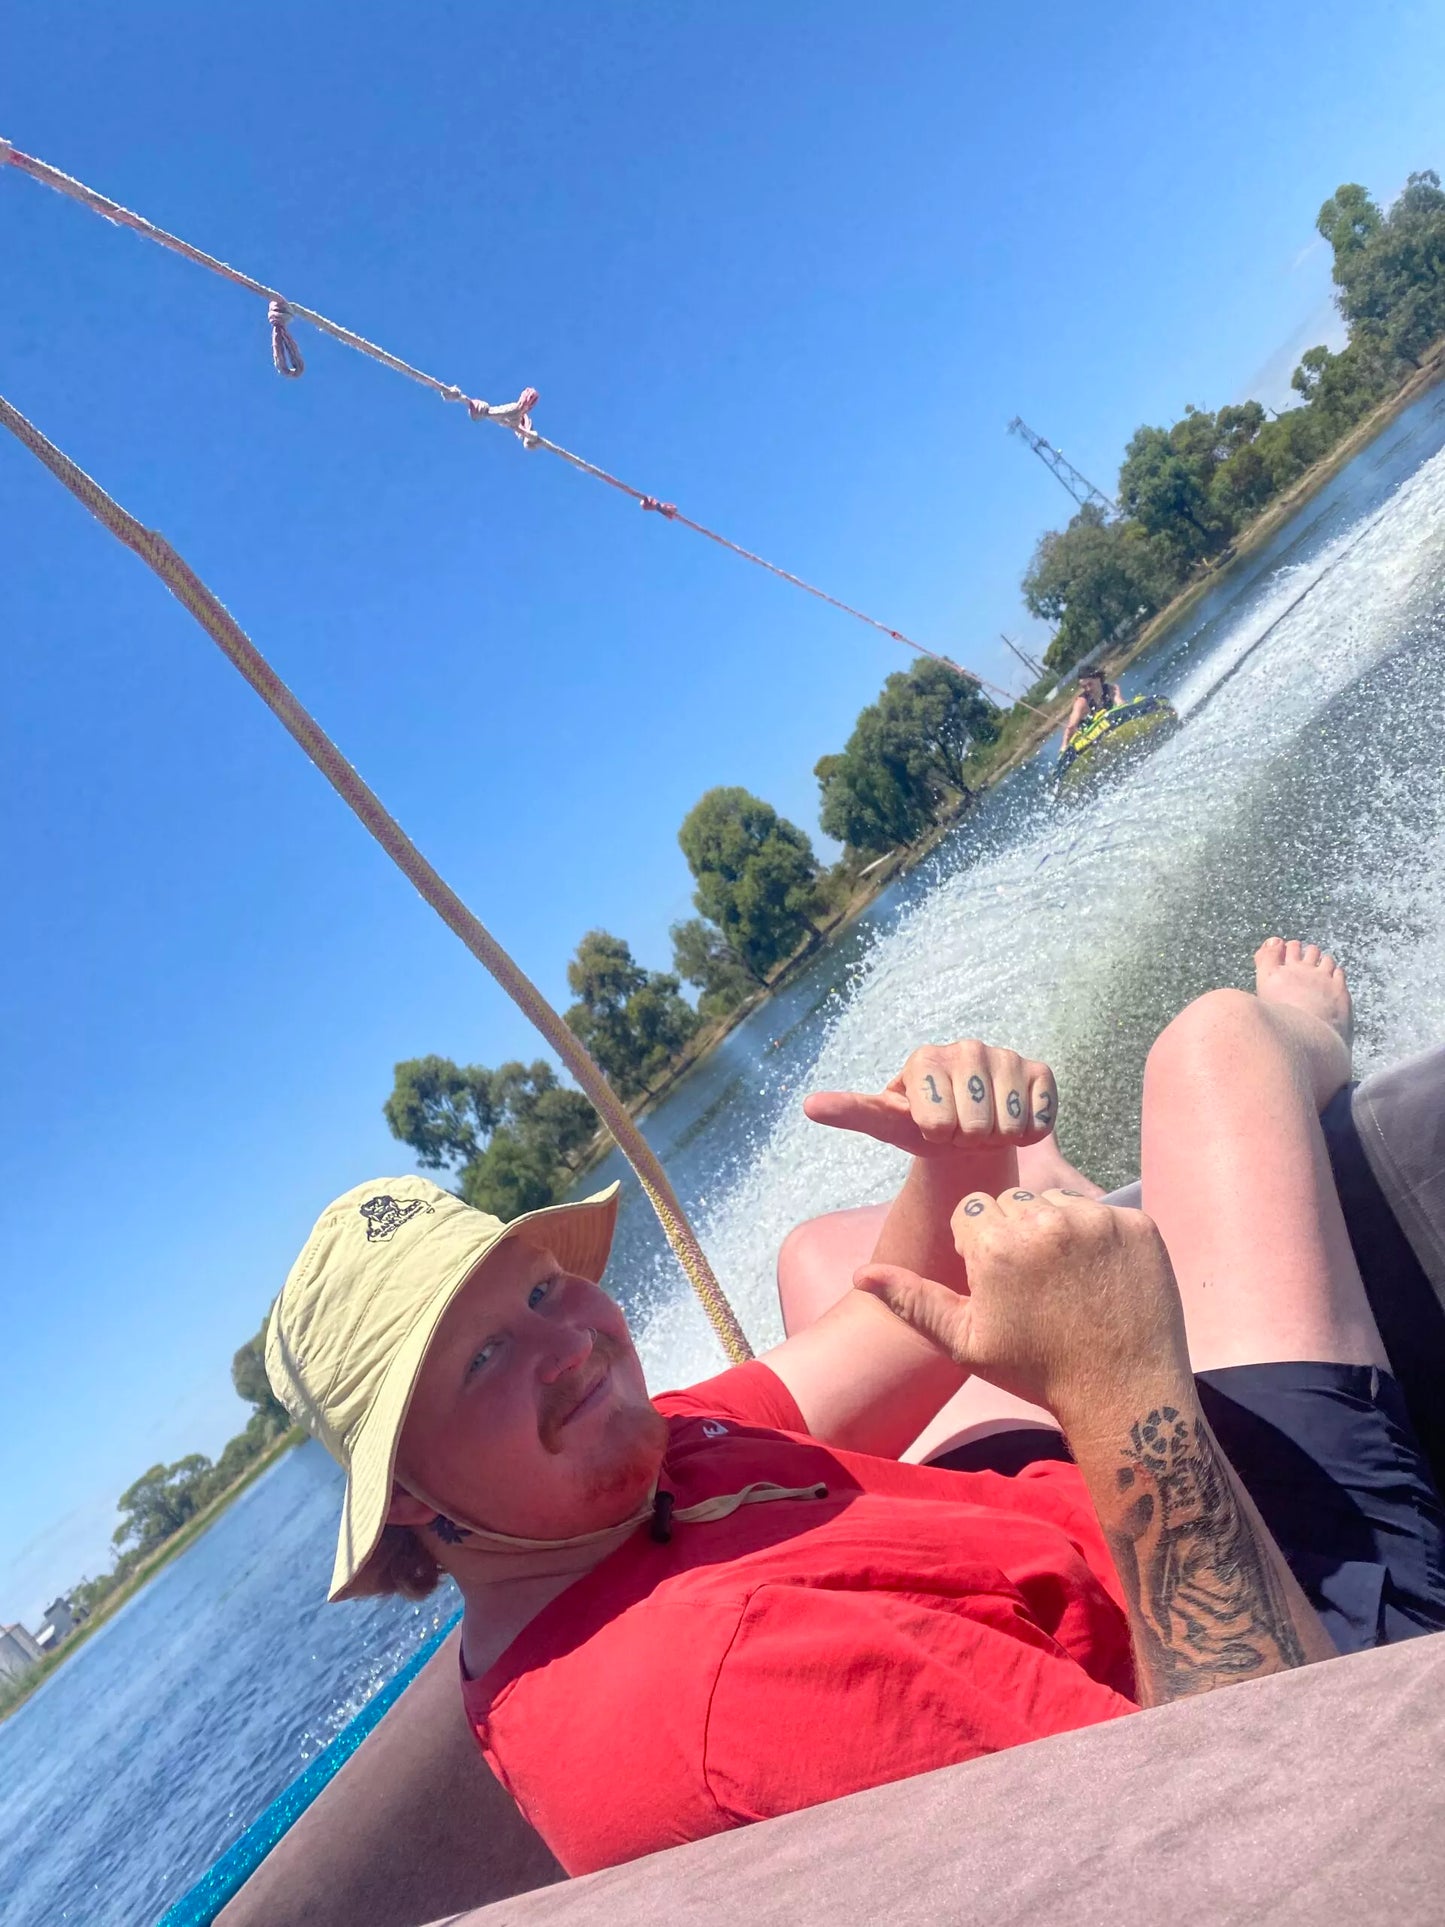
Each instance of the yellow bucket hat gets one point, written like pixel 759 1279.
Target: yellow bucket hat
pixel 347 1337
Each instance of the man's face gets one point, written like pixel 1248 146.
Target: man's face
pixel 531 1414
pixel 1091 686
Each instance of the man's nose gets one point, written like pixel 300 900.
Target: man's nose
pixel 564 1349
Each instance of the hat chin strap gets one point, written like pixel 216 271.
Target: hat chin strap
pixel 704 1512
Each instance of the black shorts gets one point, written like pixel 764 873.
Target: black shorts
pixel 1328 1455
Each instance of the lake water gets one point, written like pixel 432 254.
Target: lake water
pixel 1305 793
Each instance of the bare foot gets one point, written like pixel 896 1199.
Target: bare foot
pixel 1043 1167
pixel 1306 979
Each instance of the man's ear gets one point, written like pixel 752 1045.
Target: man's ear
pixel 406 1509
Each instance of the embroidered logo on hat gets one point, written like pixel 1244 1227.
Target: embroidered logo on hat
pixel 385 1217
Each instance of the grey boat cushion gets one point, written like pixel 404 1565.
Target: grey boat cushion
pixel 1314 1797
pixel 1400 1116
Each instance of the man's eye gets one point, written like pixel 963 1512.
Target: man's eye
pixel 538 1293
pixel 484 1356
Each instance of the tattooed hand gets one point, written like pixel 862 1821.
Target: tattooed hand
pixel 949 1098
pixel 1073 1305
pixel 1062 1294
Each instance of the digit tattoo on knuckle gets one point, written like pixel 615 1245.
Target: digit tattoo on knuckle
pixel 974 1208
pixel 1023 1197
pixel 935 1095
pixel 976 1090
pixel 1014 1105
pixel 1044 1111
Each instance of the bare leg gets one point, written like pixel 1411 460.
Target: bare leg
pixel 1043 1167
pixel 817 1259
pixel 816 1265
pixel 1236 1175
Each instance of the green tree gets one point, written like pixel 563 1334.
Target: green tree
pixel 758 880
pixel 444 1111
pixel 1166 485
pixel 511 1176
pixel 1097 579
pixel 906 759
pixel 702 955
pixel 1389 269
pixel 634 1021
pixel 941 716
pixel 240 1452
pixel 865 803
pixel 510 1133
pixel 448 1112
pixel 1349 384
pixel 1349 220
pixel 159 1503
pixel 530 1102
pixel 253 1387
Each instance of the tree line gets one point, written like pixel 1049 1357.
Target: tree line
pixel 1186 491
pixel 167 1497
pixel 515 1138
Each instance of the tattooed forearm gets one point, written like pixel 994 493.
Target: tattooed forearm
pixel 1205 1593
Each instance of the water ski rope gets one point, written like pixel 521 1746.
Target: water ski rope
pixel 515 415
pixel 223 629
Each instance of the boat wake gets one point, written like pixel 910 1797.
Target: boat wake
pixel 1304 792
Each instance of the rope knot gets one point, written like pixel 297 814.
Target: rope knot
pixel 515 415
pixel 284 352
pixel 669 509
pixel 523 406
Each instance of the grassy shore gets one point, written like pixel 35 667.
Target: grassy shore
pixel 15 1692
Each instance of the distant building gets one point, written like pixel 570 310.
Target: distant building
pixel 60 1621
pixel 18 1652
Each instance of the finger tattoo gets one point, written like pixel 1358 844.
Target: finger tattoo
pixel 976 1090
pixel 1045 1111
pixel 934 1093
pixel 974 1208
pixel 1014 1105
pixel 1023 1197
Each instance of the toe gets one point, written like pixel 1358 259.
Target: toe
pixel 1293 950
pixel 1270 954
pixel 1310 953
pixel 1327 963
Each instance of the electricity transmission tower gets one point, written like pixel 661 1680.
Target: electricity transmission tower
pixel 1079 486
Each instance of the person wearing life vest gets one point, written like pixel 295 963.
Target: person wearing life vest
pixel 1094 695
pixel 1179 1457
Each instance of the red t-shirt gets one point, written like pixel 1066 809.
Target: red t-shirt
pixel 804 1648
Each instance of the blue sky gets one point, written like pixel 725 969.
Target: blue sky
pixel 794 268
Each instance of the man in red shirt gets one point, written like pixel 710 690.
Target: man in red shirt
pixel 690 1612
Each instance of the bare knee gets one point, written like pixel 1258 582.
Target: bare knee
pixel 817 1259
pixel 1224 1030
